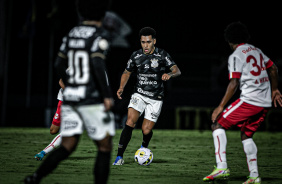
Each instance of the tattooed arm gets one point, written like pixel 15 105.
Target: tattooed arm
pixel 124 78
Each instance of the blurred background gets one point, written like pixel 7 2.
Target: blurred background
pixel 31 32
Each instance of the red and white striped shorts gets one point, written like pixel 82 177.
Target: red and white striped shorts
pixel 246 116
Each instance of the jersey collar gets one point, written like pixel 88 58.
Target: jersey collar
pixel 240 45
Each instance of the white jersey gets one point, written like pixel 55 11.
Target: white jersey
pixel 249 64
pixel 60 95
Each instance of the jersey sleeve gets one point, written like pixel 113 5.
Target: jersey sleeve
pixel 168 60
pixel 99 48
pixel 130 66
pixel 63 48
pixel 268 63
pixel 235 67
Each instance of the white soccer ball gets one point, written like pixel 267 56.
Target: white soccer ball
pixel 143 156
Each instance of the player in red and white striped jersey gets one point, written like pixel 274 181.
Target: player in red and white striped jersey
pixel 55 126
pixel 253 71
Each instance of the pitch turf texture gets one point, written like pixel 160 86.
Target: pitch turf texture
pixel 180 156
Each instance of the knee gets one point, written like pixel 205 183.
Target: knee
pixel 53 131
pixel 70 143
pixel 146 130
pixel 130 123
pixel 215 126
pixel 105 145
pixel 244 136
pixel 106 148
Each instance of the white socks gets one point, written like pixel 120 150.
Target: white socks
pixel 250 149
pixel 54 144
pixel 220 141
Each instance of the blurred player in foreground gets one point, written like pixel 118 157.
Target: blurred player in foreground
pixel 55 127
pixel 150 63
pixel 87 94
pixel 251 69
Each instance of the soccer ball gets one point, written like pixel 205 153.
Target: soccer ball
pixel 143 156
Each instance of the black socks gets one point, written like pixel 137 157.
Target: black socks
pixel 124 139
pixel 102 167
pixel 146 139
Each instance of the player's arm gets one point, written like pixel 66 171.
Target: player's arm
pixel 123 81
pixel 100 71
pixel 231 89
pixel 61 65
pixel 174 73
pixel 276 95
pixel 61 83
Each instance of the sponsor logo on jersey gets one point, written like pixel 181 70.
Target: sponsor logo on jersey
pixel 82 32
pixel 168 61
pixel 137 56
pixel 148 82
pixel 154 63
pixel 145 92
pixel 74 93
pixel 157 54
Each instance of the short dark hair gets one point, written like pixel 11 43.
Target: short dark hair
pixel 147 31
pixel 236 33
pixel 92 9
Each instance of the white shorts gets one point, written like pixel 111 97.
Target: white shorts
pixel 97 123
pixel 152 107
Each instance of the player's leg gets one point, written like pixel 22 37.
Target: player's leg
pixel 55 143
pixel 135 109
pixel 220 142
pixel 250 148
pixel 71 129
pixel 102 163
pixel 219 138
pixel 147 128
pixel 152 112
pixel 126 134
pixel 51 162
pixel 55 127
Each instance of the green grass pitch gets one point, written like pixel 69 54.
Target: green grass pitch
pixel 180 156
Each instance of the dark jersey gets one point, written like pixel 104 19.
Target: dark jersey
pixel 150 69
pixel 81 48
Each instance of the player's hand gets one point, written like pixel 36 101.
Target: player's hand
pixel 119 93
pixel 276 97
pixel 216 112
pixel 108 103
pixel 166 77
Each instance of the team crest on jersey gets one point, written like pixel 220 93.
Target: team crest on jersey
pixel 154 63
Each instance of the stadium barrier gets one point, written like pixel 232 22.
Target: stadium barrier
pixel 199 118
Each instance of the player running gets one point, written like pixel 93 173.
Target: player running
pixel 251 69
pixel 149 63
pixel 87 94
pixel 55 127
